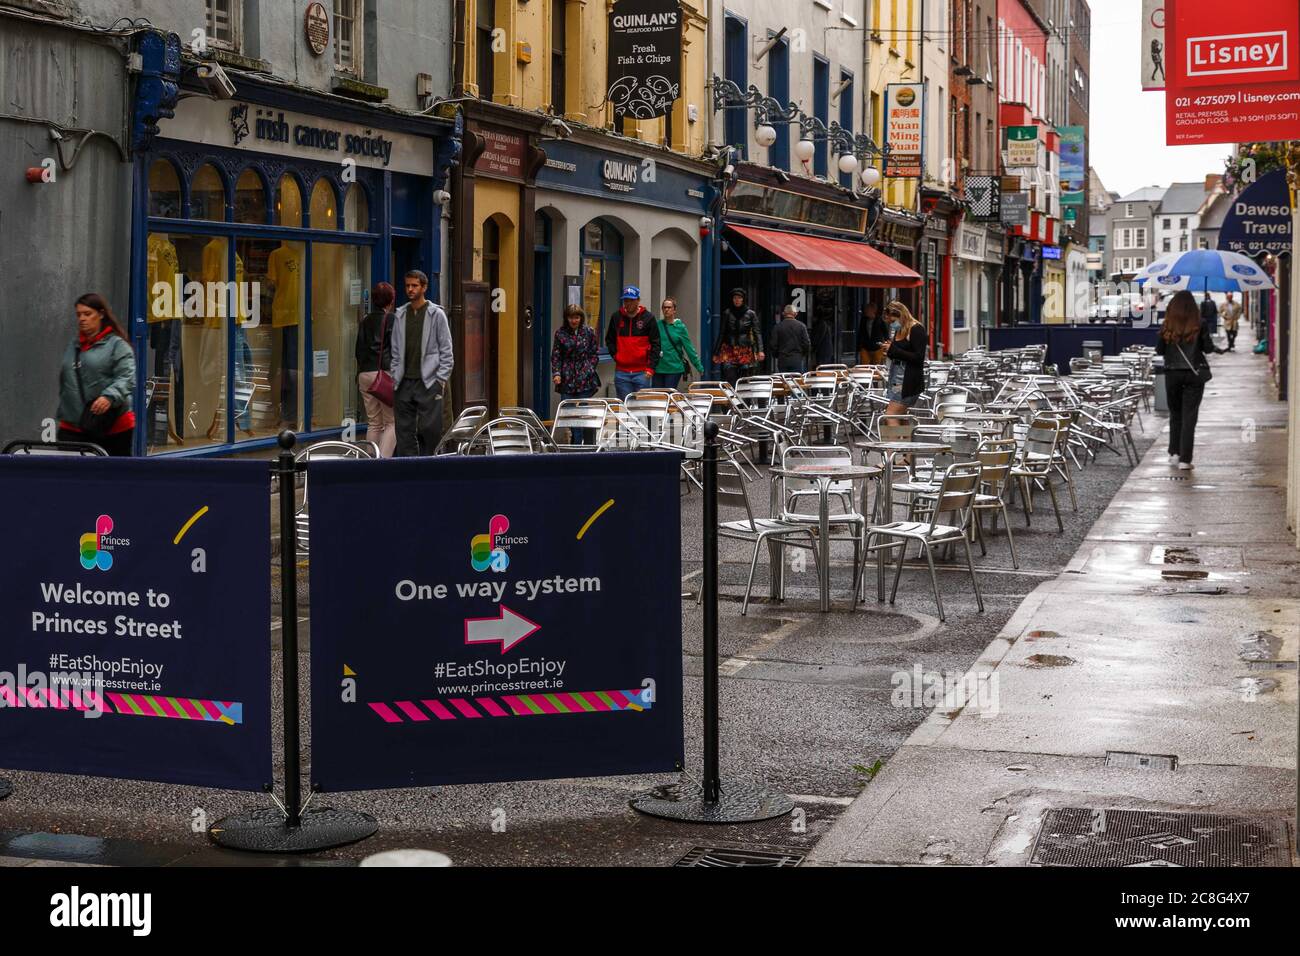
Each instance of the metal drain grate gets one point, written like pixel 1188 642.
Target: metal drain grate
pixel 1132 761
pixel 1080 836
pixel 725 856
pixel 1171 478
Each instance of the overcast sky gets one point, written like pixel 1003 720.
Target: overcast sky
pixel 1128 126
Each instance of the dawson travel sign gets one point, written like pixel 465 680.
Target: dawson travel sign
pixel 1232 78
pixel 644 62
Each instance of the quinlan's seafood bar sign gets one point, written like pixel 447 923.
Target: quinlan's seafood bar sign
pixel 1233 72
pixel 645 58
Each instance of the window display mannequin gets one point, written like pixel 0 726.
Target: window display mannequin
pixel 285 276
pixel 164 334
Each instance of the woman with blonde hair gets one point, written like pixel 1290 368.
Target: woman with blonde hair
pixel 905 352
pixel 1184 342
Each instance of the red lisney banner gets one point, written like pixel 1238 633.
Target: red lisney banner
pixel 1233 71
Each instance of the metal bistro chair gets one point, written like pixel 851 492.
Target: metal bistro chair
pixel 321 450
pixel 775 531
pixel 1037 462
pixel 793 491
pixel 586 415
pixel 503 436
pixel 457 437
pixel 995 457
pixel 543 437
pixel 955 497
pixel 56 449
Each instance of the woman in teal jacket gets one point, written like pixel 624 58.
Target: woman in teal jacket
pixel 97 380
pixel 676 348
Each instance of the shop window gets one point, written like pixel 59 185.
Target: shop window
pixel 269 392
pixel 288 203
pixel 492 255
pixel 324 215
pixel 164 190
pixel 485 26
pixel 339 274
pixel 356 209
pixel 558 77
pixel 208 195
pixel 224 21
pixel 250 198
pixel 348 39
pixel 602 272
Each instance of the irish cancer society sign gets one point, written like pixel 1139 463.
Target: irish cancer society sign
pixel 645 57
pixel 135 620
pixel 497 620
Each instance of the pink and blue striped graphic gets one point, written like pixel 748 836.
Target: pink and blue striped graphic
pixel 516 705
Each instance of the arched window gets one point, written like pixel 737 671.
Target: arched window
pixel 356 209
pixel 324 214
pixel 288 203
pixel 164 190
pixel 250 198
pixel 602 271
pixel 208 195
pixel 492 255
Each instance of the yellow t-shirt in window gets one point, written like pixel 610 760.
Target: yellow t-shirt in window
pixel 284 268
pixel 214 270
pixel 163 266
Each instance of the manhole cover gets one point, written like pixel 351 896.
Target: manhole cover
pixel 1079 836
pixel 1133 761
pixel 723 856
pixel 1164 554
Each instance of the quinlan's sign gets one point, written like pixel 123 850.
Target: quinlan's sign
pixel 644 62
pixel 1236 81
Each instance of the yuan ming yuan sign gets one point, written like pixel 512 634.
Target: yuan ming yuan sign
pixel 644 62
pixel 1233 72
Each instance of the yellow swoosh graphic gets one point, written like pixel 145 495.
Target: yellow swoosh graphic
pixel 186 526
pixel 590 521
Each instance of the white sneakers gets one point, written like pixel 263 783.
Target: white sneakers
pixel 1184 466
pixel 1173 459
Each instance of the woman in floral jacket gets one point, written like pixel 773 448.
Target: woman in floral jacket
pixel 574 357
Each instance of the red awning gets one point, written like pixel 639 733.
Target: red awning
pixel 817 261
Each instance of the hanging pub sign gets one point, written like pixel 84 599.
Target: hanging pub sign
pixel 904 128
pixel 1232 82
pixel 1022 146
pixel 983 194
pixel 644 63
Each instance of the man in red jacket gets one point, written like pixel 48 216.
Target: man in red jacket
pixel 632 338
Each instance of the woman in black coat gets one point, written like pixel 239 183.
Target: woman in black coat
pixel 1184 342
pixel 905 351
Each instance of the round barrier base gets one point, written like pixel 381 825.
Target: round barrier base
pixel 738 802
pixel 264 830
pixel 6 787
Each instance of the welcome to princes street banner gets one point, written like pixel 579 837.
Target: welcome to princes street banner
pixel 494 619
pixel 135 612
pixel 644 62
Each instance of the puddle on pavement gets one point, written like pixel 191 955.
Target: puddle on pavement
pixel 1049 660
pixel 1261 646
pixel 1251 687
pixel 1040 635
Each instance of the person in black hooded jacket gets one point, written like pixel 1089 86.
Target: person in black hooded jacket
pixel 740 340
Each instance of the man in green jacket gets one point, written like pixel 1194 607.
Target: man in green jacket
pixel 677 348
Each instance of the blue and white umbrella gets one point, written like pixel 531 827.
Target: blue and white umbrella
pixel 1205 270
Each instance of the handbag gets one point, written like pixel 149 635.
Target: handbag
pixel 382 386
pixel 1203 372
pixel 95 426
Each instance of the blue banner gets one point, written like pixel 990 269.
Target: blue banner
pixel 479 619
pixel 135 605
pixel 1259 219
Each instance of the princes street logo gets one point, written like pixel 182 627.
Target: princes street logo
pixel 97 546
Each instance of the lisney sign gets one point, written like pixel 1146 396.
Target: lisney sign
pixel 645 58
pixel 1233 77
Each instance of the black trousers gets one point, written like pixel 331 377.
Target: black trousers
pixel 1183 390
pixel 417 413
pixel 117 446
pixel 1232 338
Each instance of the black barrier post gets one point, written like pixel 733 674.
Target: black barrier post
pixel 287 829
pixel 711 800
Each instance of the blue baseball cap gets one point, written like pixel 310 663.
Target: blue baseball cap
pixel 631 292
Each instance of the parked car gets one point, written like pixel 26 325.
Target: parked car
pixel 1112 309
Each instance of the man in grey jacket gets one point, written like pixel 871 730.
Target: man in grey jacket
pixel 422 363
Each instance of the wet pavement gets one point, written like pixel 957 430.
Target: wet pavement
pixel 810 704
pixel 1172 632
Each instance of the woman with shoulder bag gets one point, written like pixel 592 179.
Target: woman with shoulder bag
pixel 97 380
pixel 678 354
pixel 374 356
pixel 905 351
pixel 575 355
pixel 740 340
pixel 1184 342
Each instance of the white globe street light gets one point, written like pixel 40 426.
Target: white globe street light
pixel 804 149
pixel 765 135
pixel 870 176
pixel 848 163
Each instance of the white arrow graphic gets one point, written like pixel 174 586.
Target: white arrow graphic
pixel 508 628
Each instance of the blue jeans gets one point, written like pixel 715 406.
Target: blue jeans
pixel 625 383
pixel 580 436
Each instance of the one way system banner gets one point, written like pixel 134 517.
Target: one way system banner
pixel 481 619
pixel 135 619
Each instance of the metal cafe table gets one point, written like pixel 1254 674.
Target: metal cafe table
pixel 826 473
